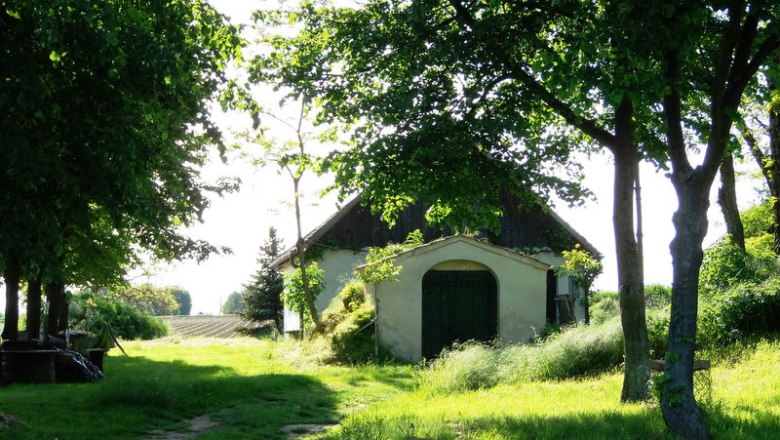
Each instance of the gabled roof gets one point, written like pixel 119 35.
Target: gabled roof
pixel 317 233
pixel 354 205
pixel 447 241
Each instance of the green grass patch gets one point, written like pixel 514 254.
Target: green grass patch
pixel 163 383
pixel 252 390
pixel 746 406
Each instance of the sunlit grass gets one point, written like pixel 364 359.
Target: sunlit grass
pixel 253 388
pixel 746 405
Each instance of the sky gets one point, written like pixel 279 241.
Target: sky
pixel 241 220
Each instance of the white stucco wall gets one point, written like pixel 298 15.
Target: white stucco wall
pixel 338 265
pixel 521 283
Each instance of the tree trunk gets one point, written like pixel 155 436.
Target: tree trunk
pixel 630 282
pixel 727 199
pixel 301 248
pixel 34 307
pixel 774 150
pixel 12 276
pixel 680 412
pixel 55 295
pixel 62 319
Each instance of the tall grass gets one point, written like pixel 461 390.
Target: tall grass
pixel 746 398
pixel 574 352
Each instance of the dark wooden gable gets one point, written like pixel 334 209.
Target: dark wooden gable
pixel 525 230
pixel 359 228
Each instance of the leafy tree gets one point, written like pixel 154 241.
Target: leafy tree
pixel 104 126
pixel 464 90
pixel 183 299
pixel 233 305
pixel 294 296
pixel 758 220
pixel 92 311
pixel 292 156
pixel 147 299
pixel 379 268
pixel 263 294
pixel 760 130
pixel 453 103
pixel 584 267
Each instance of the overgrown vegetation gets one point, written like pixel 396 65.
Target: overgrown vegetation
pixel 295 294
pixel 740 290
pixel 380 268
pixel 576 351
pixel 744 407
pixel 91 312
pixel 348 324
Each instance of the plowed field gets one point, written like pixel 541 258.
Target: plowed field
pixel 219 326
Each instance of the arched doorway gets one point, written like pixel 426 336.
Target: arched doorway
pixel 457 306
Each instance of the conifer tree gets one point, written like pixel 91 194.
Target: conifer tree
pixel 262 295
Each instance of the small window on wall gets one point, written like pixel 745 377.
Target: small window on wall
pixel 574 288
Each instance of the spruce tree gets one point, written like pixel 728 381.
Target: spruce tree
pixel 262 295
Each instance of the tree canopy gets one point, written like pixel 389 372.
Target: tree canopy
pixel 105 123
pixel 449 100
pixel 147 299
pixel 233 305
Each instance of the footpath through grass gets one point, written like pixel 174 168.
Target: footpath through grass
pixel 251 389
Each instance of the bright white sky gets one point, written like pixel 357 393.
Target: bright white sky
pixel 241 220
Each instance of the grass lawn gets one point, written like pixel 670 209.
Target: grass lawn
pixel 251 392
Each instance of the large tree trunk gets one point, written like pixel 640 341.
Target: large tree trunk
pixel 55 294
pixel 678 404
pixel 629 263
pixel 774 180
pixel 34 307
pixel 62 319
pixel 12 276
pixel 727 199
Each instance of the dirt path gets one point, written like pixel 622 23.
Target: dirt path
pixel 197 426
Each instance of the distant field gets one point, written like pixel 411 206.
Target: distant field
pixel 220 326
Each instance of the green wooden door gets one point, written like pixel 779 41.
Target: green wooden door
pixel 457 306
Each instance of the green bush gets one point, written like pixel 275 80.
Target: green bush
pixel 604 306
pixel 742 311
pixel 658 296
pixel 353 340
pixel 726 265
pixel 90 312
pixel 348 324
pixel 657 332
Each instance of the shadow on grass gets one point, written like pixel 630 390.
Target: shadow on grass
pixel 139 395
pixel 742 422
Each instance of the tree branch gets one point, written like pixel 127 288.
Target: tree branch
pixel 728 43
pixel 673 115
pixel 756 152
pixel 489 88
pixel 564 110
